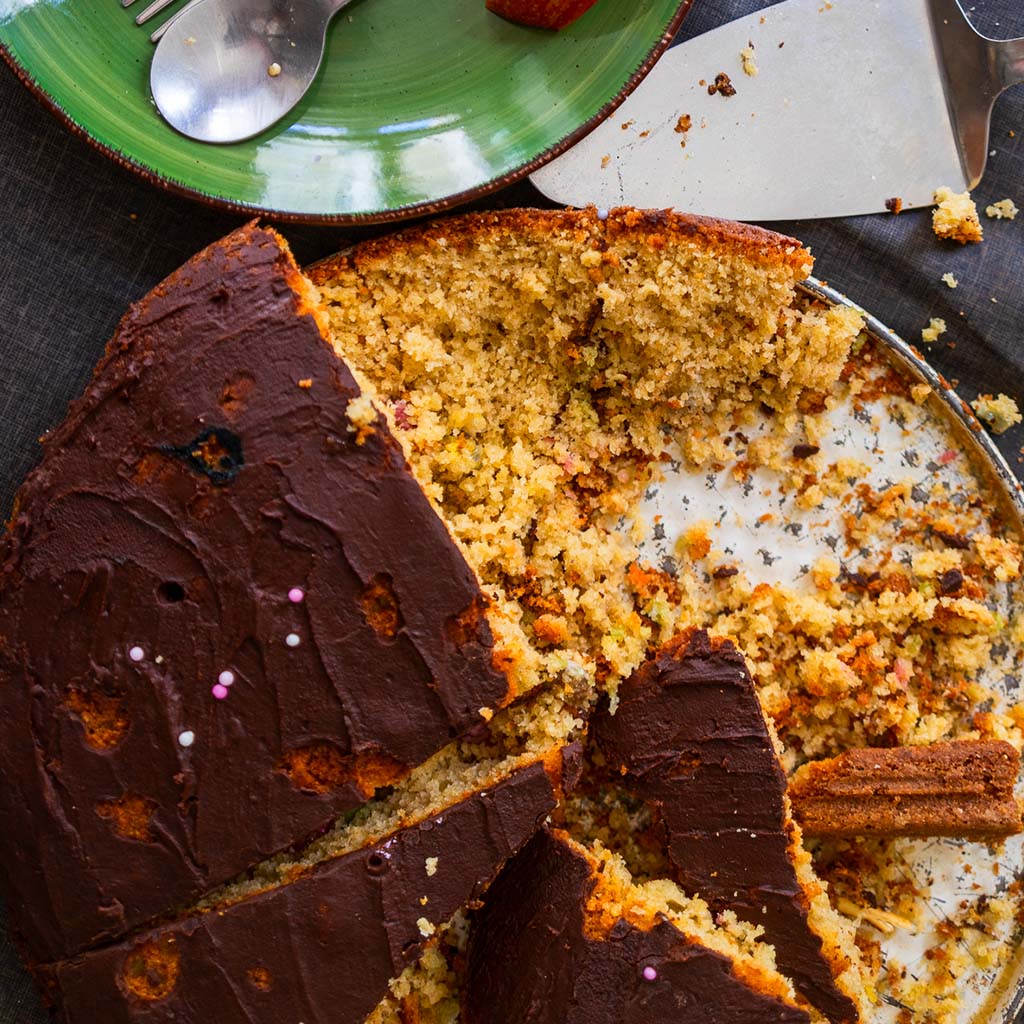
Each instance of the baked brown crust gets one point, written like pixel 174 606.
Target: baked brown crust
pixel 962 789
pixel 212 466
pixel 654 228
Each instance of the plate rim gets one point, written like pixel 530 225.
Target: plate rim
pixel 430 207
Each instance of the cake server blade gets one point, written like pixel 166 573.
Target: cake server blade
pixel 855 102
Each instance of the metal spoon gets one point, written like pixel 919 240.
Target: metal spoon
pixel 225 70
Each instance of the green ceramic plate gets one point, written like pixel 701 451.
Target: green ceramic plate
pixel 421 104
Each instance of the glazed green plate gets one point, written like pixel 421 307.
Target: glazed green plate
pixel 421 104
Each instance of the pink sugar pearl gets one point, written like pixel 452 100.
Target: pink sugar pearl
pixel 650 974
pixel 296 595
pixel 220 692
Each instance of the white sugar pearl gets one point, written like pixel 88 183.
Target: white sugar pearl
pixel 226 678
pixel 187 738
pixel 136 654
pixel 292 640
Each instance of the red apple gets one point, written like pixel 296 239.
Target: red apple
pixel 540 13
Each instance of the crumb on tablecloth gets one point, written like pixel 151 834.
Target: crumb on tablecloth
pixel 936 326
pixel 955 216
pixel 1000 412
pixel 1005 209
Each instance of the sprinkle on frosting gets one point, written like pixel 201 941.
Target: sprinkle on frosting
pixel 292 640
pixel 296 595
pixel 186 738
pixel 220 692
pixel 136 653
pixel 226 678
pixel 650 974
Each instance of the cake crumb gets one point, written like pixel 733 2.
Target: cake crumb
pixel 894 205
pixel 274 70
pixel 936 326
pixel 919 392
pixel 1005 209
pixel 306 382
pixel 360 412
pixel 747 59
pixel 431 865
pixel 949 280
pixel 955 216
pixel 606 159
pixel 425 927
pixel 722 85
pixel 682 126
pixel 1000 413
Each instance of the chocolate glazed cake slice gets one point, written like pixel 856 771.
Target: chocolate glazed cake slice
pixel 564 938
pixel 690 738
pixel 228 612
pixel 317 942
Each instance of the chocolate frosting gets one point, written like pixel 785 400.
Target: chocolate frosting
pixel 209 469
pixel 322 949
pixel 533 959
pixel 689 736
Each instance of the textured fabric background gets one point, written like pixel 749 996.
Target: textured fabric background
pixel 80 239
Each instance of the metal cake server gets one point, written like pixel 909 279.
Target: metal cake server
pixel 225 70
pixel 855 102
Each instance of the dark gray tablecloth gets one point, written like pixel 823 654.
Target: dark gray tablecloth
pixel 82 238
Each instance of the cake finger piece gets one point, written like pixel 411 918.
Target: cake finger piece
pixel 962 789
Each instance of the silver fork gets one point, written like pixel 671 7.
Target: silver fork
pixel 153 9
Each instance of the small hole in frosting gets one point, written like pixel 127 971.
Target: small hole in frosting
pixel 377 864
pixel 171 591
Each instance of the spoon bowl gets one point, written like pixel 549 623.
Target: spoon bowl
pixel 225 71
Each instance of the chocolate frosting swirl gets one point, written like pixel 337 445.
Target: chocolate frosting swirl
pixel 689 737
pixel 533 960
pixel 210 468
pixel 321 949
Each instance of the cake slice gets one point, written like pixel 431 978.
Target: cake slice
pixel 689 737
pixel 228 611
pixel 962 789
pixel 565 937
pixel 537 364
pixel 320 935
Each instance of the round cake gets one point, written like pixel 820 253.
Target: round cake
pixel 336 686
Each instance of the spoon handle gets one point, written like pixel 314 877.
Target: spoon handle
pixel 155 37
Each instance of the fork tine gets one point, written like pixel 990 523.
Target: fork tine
pixel 127 3
pixel 155 37
pixel 152 10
